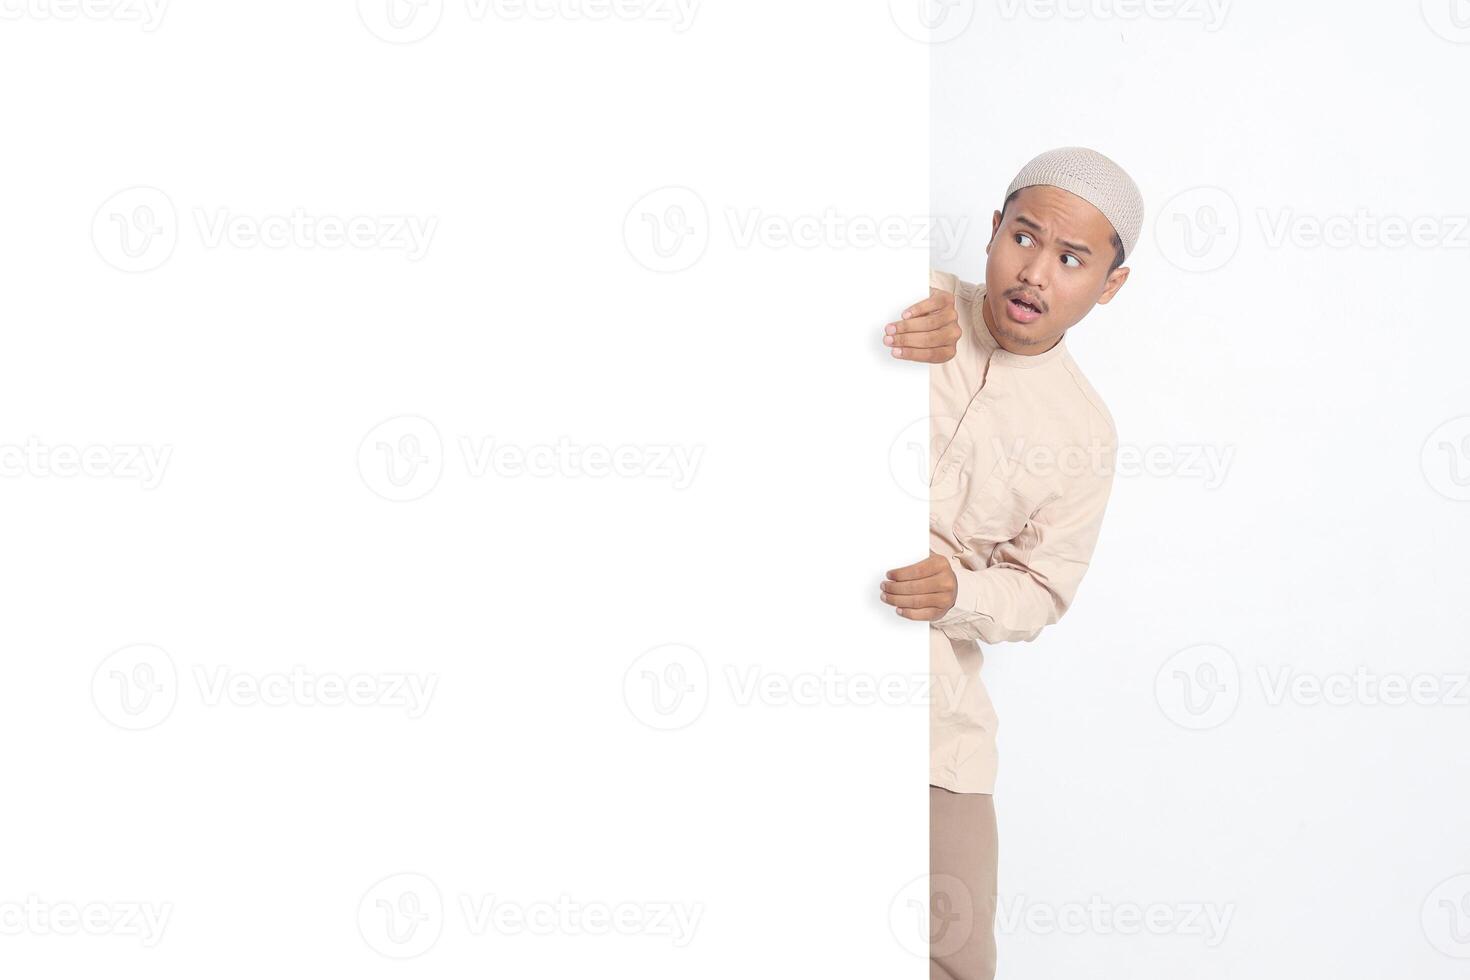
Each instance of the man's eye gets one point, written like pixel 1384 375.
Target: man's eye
pixel 1020 235
pixel 1074 258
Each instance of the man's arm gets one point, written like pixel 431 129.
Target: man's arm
pixel 1031 579
pixel 1029 583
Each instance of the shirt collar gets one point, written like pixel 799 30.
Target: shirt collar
pixel 998 354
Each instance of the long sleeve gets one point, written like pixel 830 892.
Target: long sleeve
pixel 1031 579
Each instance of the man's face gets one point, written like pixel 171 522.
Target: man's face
pixel 1053 250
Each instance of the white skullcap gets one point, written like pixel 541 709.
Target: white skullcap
pixel 1094 178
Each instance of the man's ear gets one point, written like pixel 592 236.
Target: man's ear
pixel 1114 283
pixel 994 227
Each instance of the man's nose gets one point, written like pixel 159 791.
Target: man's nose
pixel 1033 273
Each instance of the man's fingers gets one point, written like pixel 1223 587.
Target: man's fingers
pixel 922 324
pixel 928 615
pixel 910 573
pixel 936 355
pixel 929 583
pixel 931 333
pixel 937 301
pixel 922 601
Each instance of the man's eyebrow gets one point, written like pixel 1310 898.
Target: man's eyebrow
pixel 1021 219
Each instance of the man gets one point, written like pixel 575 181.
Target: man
pixel 1023 454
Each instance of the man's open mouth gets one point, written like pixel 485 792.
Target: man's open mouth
pixel 1023 310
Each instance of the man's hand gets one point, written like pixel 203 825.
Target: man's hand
pixel 928 331
pixel 924 591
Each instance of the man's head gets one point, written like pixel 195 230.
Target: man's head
pixel 1057 246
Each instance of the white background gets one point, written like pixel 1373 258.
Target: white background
pixel 1329 828
pixel 282 380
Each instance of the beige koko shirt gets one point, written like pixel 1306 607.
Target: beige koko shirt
pixel 1022 456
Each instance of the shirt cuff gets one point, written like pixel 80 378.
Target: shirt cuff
pixel 967 593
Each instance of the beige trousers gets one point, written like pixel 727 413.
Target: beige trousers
pixel 963 851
